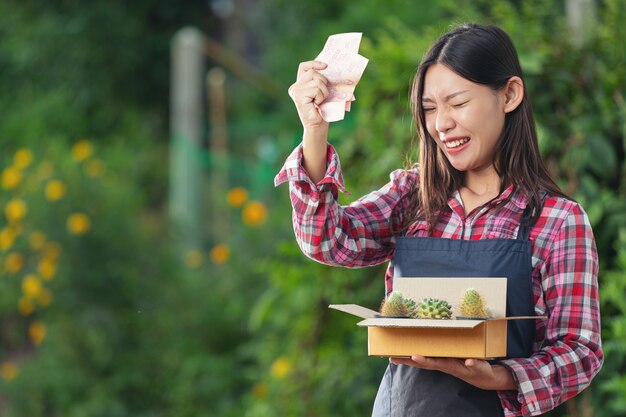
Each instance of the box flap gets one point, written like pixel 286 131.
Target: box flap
pixel 355 310
pixel 421 323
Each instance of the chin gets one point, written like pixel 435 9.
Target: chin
pixel 459 166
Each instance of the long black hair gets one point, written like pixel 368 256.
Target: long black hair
pixel 484 55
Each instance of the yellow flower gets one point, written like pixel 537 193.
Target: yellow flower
pixel 259 390
pixel 82 150
pixel 94 168
pixel 26 307
pixel 8 370
pixel 194 259
pixel 14 262
pixel 45 297
pixel 220 254
pixel 7 238
pixel 78 223
pixel 237 196
pixel 15 210
pixel 45 170
pixel 37 240
pixel 36 332
pixel 22 158
pixel 51 250
pixel 254 213
pixel 47 268
pixel 11 178
pixel 280 368
pixel 55 190
pixel 31 286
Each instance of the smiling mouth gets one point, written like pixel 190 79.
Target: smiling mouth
pixel 456 143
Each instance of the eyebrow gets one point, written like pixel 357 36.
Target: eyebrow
pixel 448 97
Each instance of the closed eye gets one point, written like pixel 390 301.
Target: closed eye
pixel 461 104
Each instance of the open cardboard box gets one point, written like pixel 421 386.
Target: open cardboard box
pixel 454 338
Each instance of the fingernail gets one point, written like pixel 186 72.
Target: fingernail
pixel 349 82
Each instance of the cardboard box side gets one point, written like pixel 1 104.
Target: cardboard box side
pixel 445 343
pixel 495 338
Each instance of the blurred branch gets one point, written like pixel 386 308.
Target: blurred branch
pixel 242 69
pixel 580 19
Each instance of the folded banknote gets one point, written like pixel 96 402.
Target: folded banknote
pixel 344 70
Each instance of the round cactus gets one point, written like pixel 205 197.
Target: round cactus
pixel 433 308
pixel 394 305
pixel 473 305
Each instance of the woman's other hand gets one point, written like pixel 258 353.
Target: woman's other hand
pixel 477 372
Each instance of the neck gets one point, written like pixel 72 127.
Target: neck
pixel 483 182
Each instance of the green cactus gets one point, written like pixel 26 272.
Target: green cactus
pixel 473 305
pixel 433 308
pixel 396 305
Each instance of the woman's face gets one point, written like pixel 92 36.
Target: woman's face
pixel 465 119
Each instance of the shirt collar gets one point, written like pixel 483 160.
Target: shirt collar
pixel 516 197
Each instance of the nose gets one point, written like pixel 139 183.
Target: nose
pixel 443 122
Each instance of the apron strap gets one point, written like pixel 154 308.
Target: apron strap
pixel 525 226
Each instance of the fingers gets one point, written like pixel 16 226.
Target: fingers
pixel 401 361
pixel 440 364
pixel 315 91
pixel 310 65
pixel 448 365
pixel 311 90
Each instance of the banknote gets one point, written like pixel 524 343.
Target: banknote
pixel 344 70
pixel 343 41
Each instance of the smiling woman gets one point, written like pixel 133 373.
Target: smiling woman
pixel 480 203
pixel 477 130
pixel 456 122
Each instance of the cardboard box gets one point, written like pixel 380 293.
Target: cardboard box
pixel 456 338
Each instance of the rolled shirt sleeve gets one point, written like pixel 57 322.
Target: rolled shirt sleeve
pixel 360 234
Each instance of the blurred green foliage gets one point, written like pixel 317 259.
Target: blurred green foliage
pixel 240 326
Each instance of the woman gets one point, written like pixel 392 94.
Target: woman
pixel 480 203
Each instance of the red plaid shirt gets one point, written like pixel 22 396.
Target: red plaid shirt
pixel 567 347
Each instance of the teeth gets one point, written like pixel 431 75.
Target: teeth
pixel 456 143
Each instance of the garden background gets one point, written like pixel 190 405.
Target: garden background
pixel 105 308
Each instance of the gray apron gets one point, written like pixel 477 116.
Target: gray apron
pixel 406 391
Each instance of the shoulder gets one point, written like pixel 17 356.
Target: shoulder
pixel 558 210
pixel 561 218
pixel 405 178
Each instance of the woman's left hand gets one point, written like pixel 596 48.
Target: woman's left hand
pixel 476 372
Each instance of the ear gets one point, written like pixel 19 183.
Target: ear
pixel 513 93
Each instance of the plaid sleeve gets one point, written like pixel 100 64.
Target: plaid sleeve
pixel 360 234
pixel 571 354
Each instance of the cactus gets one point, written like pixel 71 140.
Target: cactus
pixel 473 305
pixel 433 308
pixel 396 305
